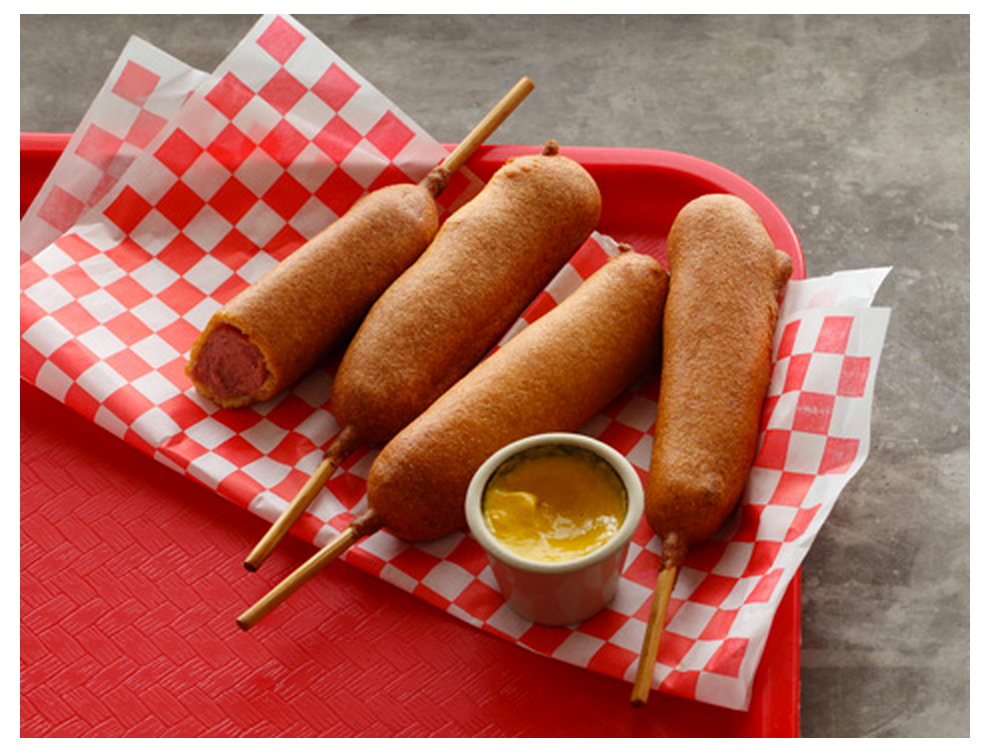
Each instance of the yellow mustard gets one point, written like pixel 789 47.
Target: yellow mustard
pixel 554 503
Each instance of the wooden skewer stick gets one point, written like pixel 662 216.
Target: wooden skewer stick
pixel 487 125
pixel 652 637
pixel 361 527
pixel 340 448
pixel 347 440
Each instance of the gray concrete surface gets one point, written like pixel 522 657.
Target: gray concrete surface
pixel 858 128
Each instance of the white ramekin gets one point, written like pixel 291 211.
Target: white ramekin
pixel 562 593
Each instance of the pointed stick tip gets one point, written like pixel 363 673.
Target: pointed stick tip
pixel 362 526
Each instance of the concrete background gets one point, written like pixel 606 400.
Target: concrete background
pixel 857 127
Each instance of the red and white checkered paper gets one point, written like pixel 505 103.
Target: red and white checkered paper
pixel 143 92
pixel 267 151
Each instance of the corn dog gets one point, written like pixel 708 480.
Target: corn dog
pixel 440 318
pixel 553 376
pixel 720 318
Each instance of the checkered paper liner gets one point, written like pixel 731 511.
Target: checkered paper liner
pixel 311 131
pixel 144 91
pixel 112 305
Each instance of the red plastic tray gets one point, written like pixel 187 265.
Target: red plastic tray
pixel 131 576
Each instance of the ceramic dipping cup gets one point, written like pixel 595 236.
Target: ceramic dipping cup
pixel 562 592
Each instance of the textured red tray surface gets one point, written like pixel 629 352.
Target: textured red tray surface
pixel 131 578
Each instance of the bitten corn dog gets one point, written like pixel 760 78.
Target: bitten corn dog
pixel 489 260
pixel 553 376
pixel 720 318
pixel 276 330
